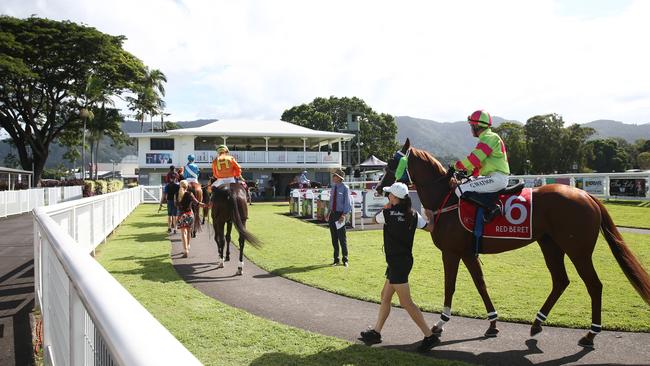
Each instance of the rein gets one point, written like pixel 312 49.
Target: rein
pixel 442 209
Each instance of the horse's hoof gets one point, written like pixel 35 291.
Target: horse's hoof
pixel 491 332
pixel 436 331
pixel 535 330
pixel 586 342
pixel 239 272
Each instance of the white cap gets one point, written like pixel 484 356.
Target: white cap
pixel 399 190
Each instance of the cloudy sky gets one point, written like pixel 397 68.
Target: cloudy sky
pixel 439 60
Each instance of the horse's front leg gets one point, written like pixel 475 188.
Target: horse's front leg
pixel 450 263
pixel 474 268
pixel 228 238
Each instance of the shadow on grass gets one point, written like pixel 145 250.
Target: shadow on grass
pixel 360 354
pixel 145 237
pixel 155 269
pixel 289 270
pixel 643 204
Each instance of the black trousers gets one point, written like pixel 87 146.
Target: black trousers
pixel 338 237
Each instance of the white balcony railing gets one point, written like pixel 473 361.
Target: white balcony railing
pixel 274 157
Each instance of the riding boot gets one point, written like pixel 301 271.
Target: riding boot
pixel 491 212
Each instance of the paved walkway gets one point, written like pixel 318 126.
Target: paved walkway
pixel 295 304
pixel 16 289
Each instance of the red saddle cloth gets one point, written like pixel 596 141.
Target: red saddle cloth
pixel 515 221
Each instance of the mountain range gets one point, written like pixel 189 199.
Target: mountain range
pixel 454 138
pixel 442 139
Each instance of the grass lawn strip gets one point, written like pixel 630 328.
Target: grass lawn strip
pixel 518 281
pixel 137 255
pixel 630 213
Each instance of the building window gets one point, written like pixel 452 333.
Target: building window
pixel 162 144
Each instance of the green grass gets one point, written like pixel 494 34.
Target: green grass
pixel 138 256
pixel 630 213
pixel 518 281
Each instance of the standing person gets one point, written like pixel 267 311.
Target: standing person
pixel 400 222
pixel 172 212
pixel 172 176
pixel 186 219
pixel 340 206
pixel 488 162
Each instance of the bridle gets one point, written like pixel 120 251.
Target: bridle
pixel 441 209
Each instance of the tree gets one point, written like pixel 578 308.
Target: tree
pixel 644 160
pixel 514 137
pixel 572 148
pixel 377 130
pixel 149 93
pixel 107 122
pixel 544 142
pixel 605 156
pixel 44 70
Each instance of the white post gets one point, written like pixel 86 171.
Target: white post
pixel 76 331
pixel 340 154
pixel 9 181
pixel 266 141
pixel 304 150
pixel 606 188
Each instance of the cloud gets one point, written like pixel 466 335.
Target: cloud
pixel 429 59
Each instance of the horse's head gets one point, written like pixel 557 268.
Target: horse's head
pixel 389 172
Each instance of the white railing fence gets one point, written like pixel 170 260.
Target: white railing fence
pixel 151 194
pixel 88 317
pixel 17 202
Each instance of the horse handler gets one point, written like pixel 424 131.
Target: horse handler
pixel 400 222
pixel 186 219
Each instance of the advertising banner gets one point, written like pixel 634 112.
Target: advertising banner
pixel 594 185
pixel 158 158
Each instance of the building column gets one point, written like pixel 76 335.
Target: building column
pixel 304 150
pixel 320 156
pixel 266 141
pixel 340 154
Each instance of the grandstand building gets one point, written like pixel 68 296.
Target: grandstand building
pixel 270 152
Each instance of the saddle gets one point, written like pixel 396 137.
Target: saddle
pixel 487 208
pixel 486 200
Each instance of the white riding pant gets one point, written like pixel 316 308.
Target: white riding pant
pixel 492 182
pixel 221 181
pixel 191 180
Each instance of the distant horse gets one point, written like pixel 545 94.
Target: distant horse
pixel 229 206
pixel 566 221
pixel 312 184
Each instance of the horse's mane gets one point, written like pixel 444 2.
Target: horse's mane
pixel 425 156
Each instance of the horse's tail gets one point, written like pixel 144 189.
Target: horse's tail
pixel 630 265
pixel 239 225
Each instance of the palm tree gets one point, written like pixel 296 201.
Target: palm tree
pixel 149 93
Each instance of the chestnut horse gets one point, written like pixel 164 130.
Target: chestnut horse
pixel 229 205
pixel 566 221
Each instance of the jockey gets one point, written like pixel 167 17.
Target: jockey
pixel 191 173
pixel 488 163
pixel 225 168
pixel 303 181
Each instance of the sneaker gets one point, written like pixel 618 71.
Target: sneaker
pixel 371 336
pixel 169 230
pixel 174 231
pixel 428 343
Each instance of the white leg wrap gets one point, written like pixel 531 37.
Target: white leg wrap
pixel 595 328
pixel 493 316
pixel 445 316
